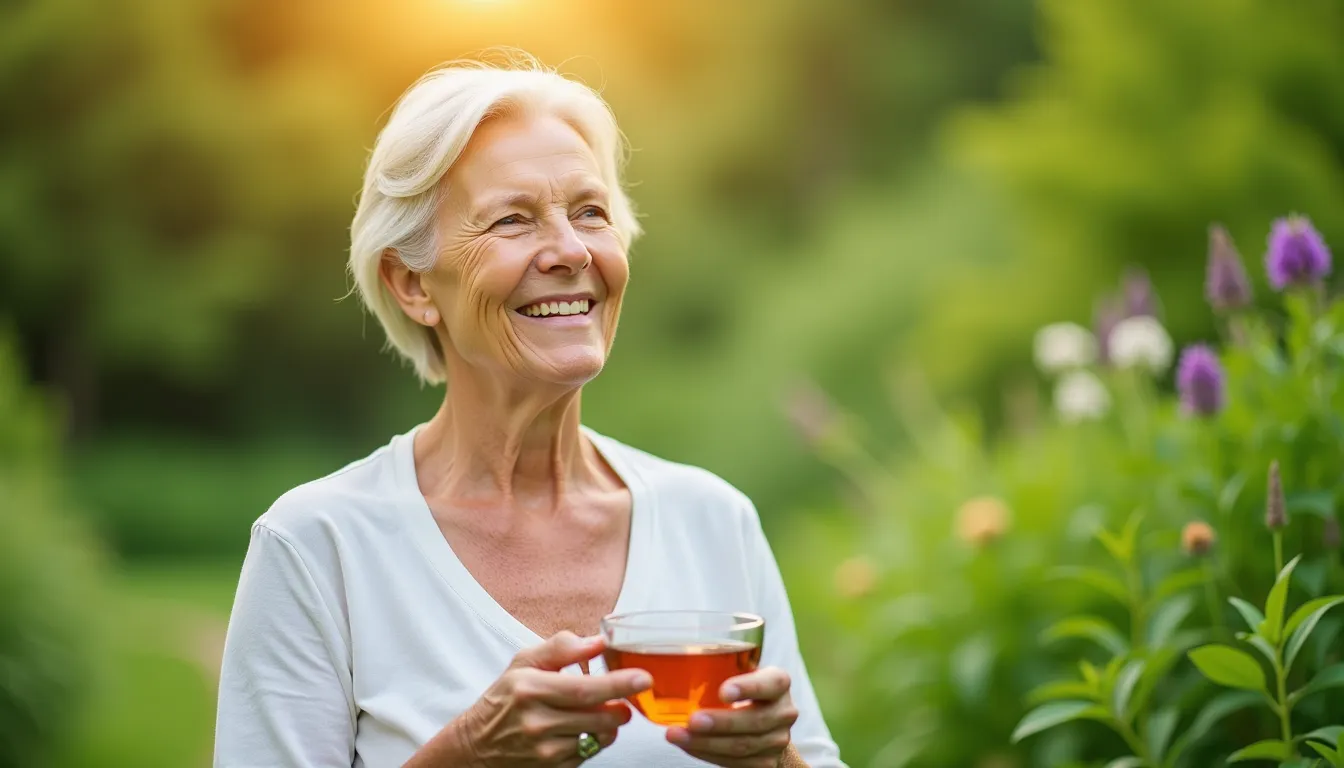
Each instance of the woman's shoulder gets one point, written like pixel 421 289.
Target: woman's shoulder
pixel 354 492
pixel 680 482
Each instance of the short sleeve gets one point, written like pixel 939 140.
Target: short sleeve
pixel 285 692
pixel 810 735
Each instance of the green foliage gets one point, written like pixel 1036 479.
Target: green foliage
pixel 1145 120
pixel 47 566
pixel 1149 514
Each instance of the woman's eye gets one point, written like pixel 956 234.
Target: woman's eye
pixel 507 221
pixel 593 212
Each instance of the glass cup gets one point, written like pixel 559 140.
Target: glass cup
pixel 690 655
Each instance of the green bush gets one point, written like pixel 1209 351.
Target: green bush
pixel 1069 569
pixel 47 657
pixel 162 497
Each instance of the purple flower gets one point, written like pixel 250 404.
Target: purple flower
pixel 1140 299
pixel 1200 381
pixel 1276 506
pixel 1297 253
pixel 1227 287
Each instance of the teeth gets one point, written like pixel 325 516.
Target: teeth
pixel 545 309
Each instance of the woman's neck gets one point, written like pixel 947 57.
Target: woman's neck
pixel 493 445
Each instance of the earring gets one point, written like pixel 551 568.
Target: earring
pixel 431 317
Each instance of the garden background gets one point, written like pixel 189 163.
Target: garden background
pixel 860 213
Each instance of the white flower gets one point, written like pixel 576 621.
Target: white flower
pixel 1080 396
pixel 1064 346
pixel 1141 341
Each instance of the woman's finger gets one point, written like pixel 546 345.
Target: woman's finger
pixel 765 684
pixel 714 748
pixel 569 723
pixel 758 717
pixel 585 691
pixel 567 748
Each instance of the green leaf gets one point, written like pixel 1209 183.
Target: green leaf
pixel 1090 674
pixel 1115 546
pixel 1318 503
pixel 1125 762
pixel 1124 688
pixel 1218 708
pixel 1262 645
pixel 1301 614
pixel 1278 596
pixel 1229 666
pixel 972 663
pixel 1091 628
pixel 1330 734
pixel 1254 618
pixel 1270 749
pixel 1061 689
pixel 1099 580
pixel 1130 534
pixel 1055 713
pixel 1161 725
pixel 1324 638
pixel 1330 677
pixel 1178 582
pixel 1326 752
pixel 1312 576
pixel 1305 625
pixel 1160 661
pixel 1227 498
pixel 1168 617
pixel 1112 669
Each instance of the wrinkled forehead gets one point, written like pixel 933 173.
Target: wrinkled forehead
pixel 539 155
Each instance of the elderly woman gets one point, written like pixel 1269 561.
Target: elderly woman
pixel 438 602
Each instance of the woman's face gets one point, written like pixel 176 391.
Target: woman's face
pixel 530 272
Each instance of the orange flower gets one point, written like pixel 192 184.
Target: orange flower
pixel 981 520
pixel 1198 538
pixel 856 577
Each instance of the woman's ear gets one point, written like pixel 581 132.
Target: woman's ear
pixel 405 285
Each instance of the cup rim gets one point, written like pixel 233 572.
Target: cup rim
pixel 736 620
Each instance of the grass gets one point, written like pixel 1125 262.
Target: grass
pixel 154 707
pixel 205 584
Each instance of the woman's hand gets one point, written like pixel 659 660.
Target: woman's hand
pixel 533 715
pixel 750 735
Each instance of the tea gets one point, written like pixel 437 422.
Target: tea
pixel 686 677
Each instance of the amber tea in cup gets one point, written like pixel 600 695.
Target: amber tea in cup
pixel 690 655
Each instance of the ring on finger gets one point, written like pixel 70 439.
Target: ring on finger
pixel 588 745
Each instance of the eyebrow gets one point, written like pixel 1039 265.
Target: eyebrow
pixel 502 202
pixel 509 200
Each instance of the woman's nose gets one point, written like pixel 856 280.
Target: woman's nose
pixel 564 251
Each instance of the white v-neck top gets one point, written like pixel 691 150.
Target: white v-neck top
pixel 357 634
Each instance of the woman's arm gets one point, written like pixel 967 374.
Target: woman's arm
pixel 285 690
pixel 811 739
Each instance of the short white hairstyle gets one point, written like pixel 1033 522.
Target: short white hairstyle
pixel 425 134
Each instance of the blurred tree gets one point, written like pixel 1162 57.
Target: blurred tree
pixel 176 181
pixel 1147 121
pixel 149 184
pixel 46 595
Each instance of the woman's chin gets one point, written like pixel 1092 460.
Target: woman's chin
pixel 570 368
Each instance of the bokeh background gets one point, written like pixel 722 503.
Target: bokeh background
pixel 881 199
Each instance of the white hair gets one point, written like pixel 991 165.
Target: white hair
pixel 424 136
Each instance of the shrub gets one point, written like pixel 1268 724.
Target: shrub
pixel 1071 571
pixel 46 657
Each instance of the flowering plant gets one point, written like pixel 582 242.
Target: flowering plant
pixel 999 615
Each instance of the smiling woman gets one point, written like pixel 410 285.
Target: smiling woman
pixel 424 606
